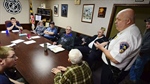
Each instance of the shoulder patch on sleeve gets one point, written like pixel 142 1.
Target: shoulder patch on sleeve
pixel 123 46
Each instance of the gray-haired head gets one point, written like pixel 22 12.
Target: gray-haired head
pixel 75 56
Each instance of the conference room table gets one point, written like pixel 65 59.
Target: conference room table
pixel 34 64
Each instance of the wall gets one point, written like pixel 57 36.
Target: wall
pixel 23 17
pixel 75 12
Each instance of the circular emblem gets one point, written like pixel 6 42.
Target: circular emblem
pixel 12 6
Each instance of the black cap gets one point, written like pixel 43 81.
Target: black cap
pixel 147 20
pixel 52 22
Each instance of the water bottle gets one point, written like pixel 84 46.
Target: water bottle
pixel 45 47
pixel 7 32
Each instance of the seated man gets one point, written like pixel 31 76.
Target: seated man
pixel 14 25
pixel 89 51
pixel 40 28
pixel 7 60
pixel 51 32
pixel 66 40
pixel 78 73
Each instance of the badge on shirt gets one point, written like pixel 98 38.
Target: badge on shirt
pixel 123 46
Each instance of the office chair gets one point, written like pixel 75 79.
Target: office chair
pixel 7 21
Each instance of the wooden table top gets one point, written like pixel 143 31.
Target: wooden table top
pixel 34 64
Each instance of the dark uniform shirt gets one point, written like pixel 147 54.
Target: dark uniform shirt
pixel 4 79
pixel 14 28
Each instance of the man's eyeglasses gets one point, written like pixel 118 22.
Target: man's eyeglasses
pixel 68 29
pixel 13 57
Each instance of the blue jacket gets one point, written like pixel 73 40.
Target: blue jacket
pixel 145 48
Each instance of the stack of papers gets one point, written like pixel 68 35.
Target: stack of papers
pixel 15 30
pixel 30 42
pixel 3 31
pixel 11 45
pixel 12 31
pixel 56 48
pixel 35 37
pixel 53 48
pixel 17 41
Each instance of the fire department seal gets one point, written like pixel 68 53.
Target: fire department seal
pixel 12 6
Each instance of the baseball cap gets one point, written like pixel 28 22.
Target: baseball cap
pixel 147 20
pixel 52 22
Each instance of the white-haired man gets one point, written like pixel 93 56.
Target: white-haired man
pixel 78 73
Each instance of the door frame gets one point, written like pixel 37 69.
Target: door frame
pixel 114 12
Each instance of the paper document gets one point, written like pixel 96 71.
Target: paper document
pixel 15 30
pixel 55 48
pixel 3 31
pixel 38 17
pixel 35 37
pixel 30 42
pixel 10 45
pixel 17 41
pixel 42 45
pixel 52 46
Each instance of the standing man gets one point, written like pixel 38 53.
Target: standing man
pixel 14 25
pixel 121 49
pixel 51 32
pixel 7 60
pixel 144 55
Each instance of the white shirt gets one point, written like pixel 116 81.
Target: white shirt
pixel 91 44
pixel 130 36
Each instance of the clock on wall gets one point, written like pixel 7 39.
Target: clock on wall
pixel 77 2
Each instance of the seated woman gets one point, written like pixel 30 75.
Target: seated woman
pixel 40 28
pixel 89 51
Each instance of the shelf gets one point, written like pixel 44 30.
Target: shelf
pixel 45 13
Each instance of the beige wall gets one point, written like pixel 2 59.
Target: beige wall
pixel 75 12
pixel 23 17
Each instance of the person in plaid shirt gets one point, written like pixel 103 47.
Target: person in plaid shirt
pixel 78 73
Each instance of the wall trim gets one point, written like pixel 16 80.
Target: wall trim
pixel 25 26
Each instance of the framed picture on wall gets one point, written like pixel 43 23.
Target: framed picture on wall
pixel 87 13
pixel 101 12
pixel 139 0
pixel 77 2
pixel 56 10
pixel 64 10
